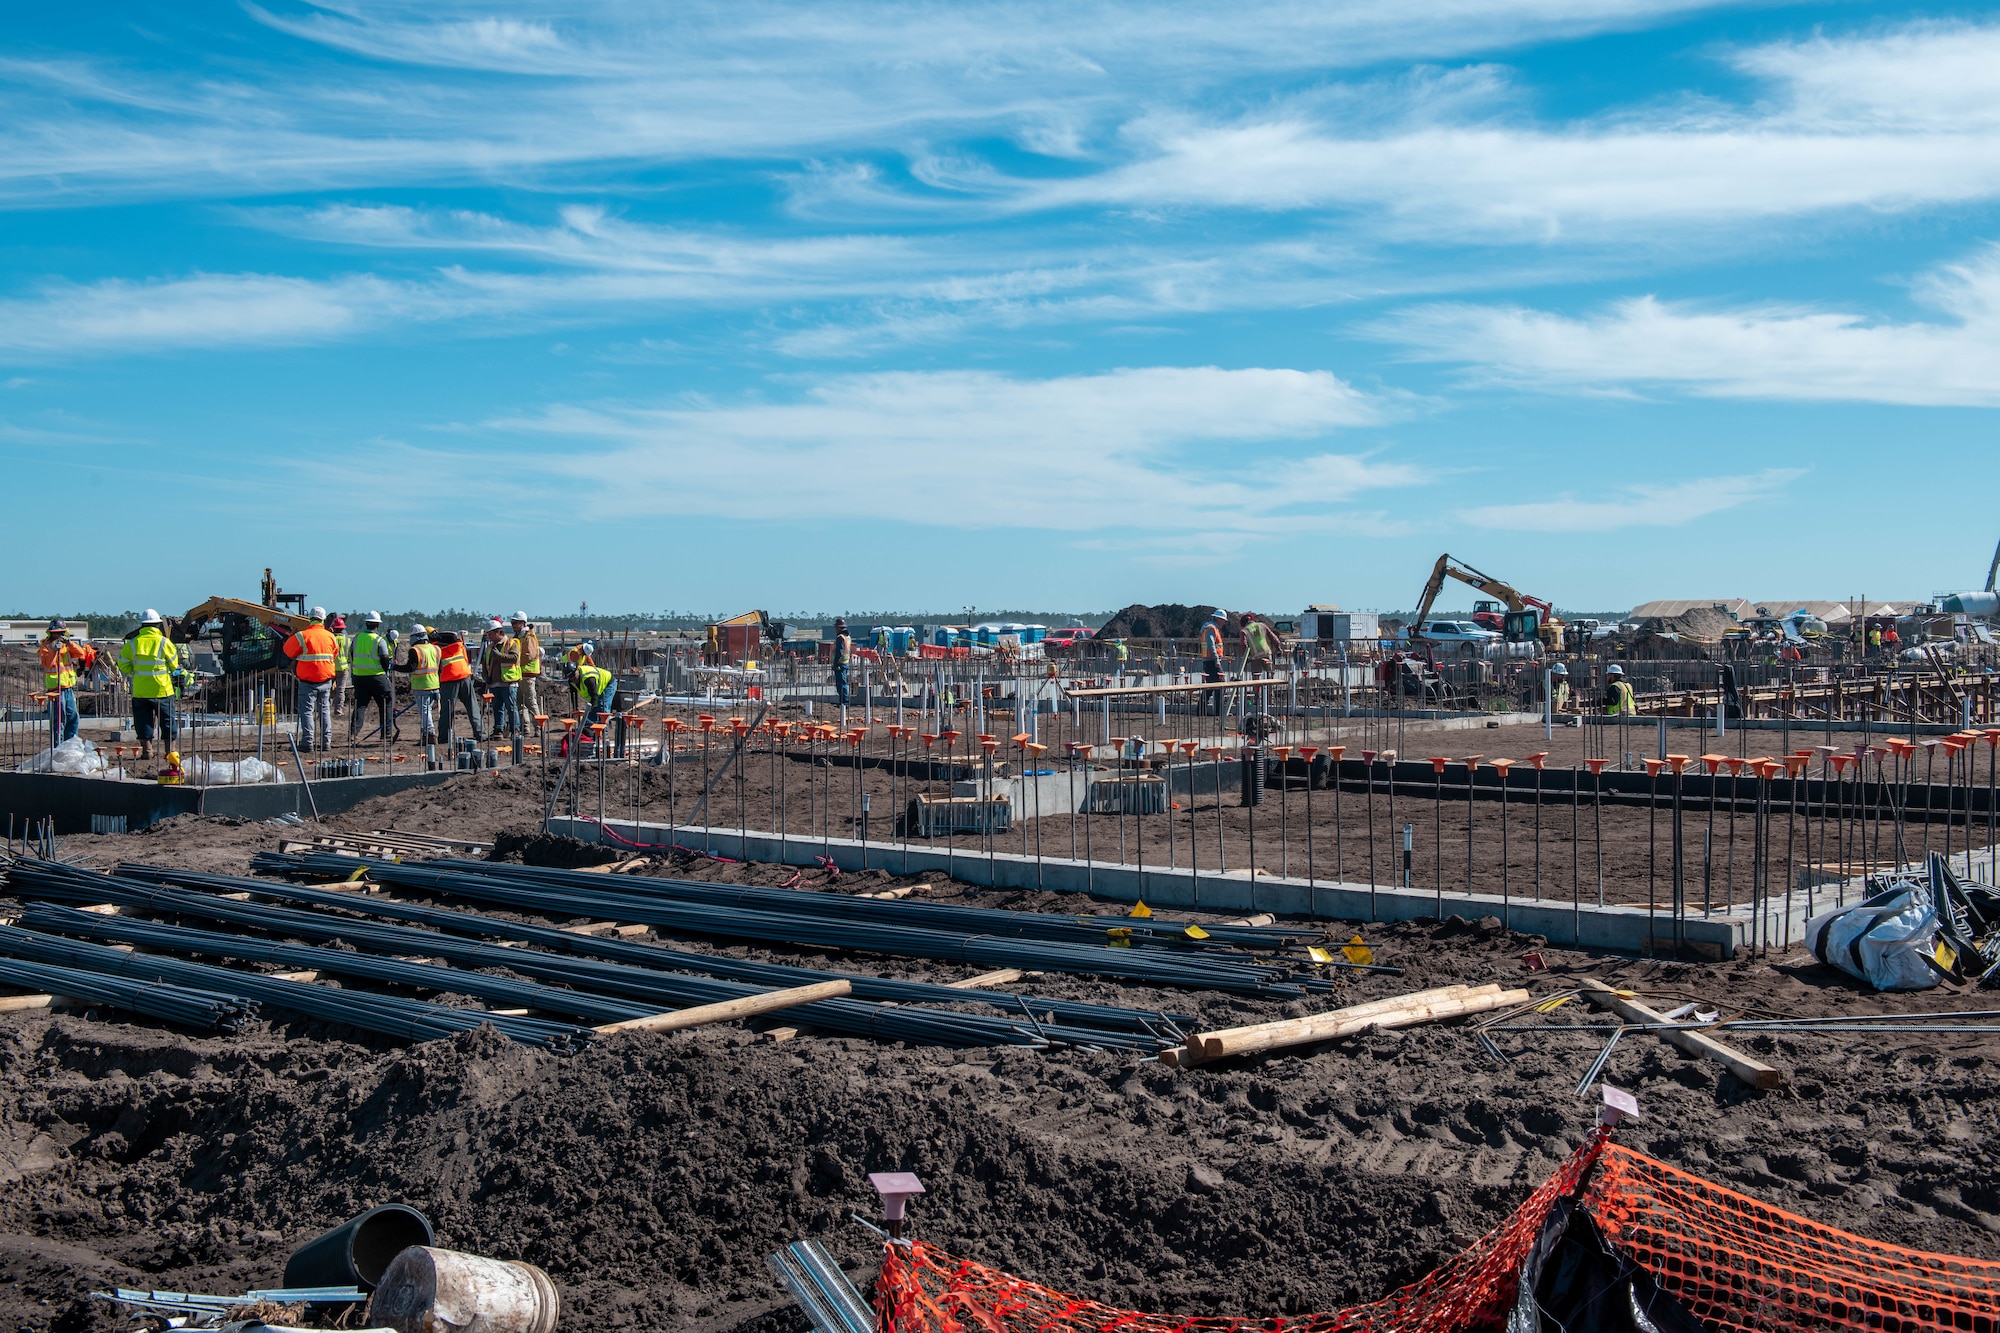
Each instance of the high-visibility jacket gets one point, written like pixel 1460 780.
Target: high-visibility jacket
pixel 424 660
pixel 1256 638
pixel 317 653
pixel 502 662
pixel 592 682
pixel 369 654
pixel 1211 642
pixel 150 659
pixel 1124 653
pixel 344 645
pixel 452 663
pixel 531 653
pixel 60 659
pixel 1621 702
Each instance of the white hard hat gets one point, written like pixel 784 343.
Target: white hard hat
pixel 372 618
pixel 494 623
pixel 521 616
pixel 1559 670
pixel 1614 670
pixel 418 628
pixel 151 617
pixel 317 613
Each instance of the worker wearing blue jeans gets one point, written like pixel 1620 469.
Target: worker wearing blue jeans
pixel 843 653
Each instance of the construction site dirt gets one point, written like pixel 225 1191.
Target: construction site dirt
pixel 651 1173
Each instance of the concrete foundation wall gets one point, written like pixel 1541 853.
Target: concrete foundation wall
pixel 1625 929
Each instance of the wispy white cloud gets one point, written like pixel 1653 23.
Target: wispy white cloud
pixel 205 310
pixel 1176 451
pixel 1642 506
pixel 1760 352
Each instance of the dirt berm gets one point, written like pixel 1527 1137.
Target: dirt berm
pixel 652 1174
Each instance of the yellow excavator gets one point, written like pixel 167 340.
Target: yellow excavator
pixel 253 633
pixel 1525 619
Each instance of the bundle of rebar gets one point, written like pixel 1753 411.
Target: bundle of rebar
pixel 207 1010
pixel 388 1015
pixel 636 953
pixel 1038 1023
pixel 1219 970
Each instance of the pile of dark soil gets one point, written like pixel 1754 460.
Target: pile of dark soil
pixel 1170 621
pixel 652 1173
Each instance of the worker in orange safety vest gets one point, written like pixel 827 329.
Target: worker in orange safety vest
pixel 317 656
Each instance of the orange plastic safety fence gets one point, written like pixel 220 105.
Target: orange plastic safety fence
pixel 1738 1264
pixel 925 1290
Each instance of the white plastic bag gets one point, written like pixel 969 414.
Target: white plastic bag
pixel 75 756
pixel 1888 941
pixel 219 773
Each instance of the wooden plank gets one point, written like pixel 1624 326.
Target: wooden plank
pixel 590 928
pixel 1754 1072
pixel 13 1004
pixel 1126 691
pixel 748 1007
pixel 1002 977
pixel 293 976
pixel 1401 1011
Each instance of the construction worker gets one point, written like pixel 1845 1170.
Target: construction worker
pixel 1618 700
pixel 1124 655
pixel 530 694
pixel 317 653
pixel 1559 688
pixel 369 658
pixel 62 657
pixel 597 689
pixel 1874 639
pixel 843 653
pixel 153 664
pixel 421 663
pixel 1257 649
pixel 1890 639
pixel 1211 659
pixel 500 666
pixel 455 685
pixel 336 625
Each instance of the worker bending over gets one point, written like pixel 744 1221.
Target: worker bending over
pixel 529 696
pixel 62 658
pixel 369 658
pixel 1258 649
pixel 500 666
pixel 455 685
pixel 597 689
pixel 1618 700
pixel 149 659
pixel 317 655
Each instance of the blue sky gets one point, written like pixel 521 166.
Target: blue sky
pixel 1062 305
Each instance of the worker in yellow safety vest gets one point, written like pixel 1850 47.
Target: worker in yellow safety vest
pixel 317 654
pixel 336 625
pixel 421 664
pixel 1257 646
pixel 153 664
pixel 62 658
pixel 597 688
pixel 500 665
pixel 369 657
pixel 1618 700
pixel 531 666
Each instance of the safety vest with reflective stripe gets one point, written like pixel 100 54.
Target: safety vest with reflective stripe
pixel 317 653
pixel 531 653
pixel 59 663
pixel 1622 702
pixel 453 665
pixel 150 659
pixel 1257 639
pixel 592 681
pixel 341 643
pixel 1211 641
pixel 366 654
pixel 502 661
pixel 425 658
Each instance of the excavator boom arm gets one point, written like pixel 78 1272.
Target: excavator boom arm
pixel 1447 567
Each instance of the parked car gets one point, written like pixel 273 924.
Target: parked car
pixel 1456 636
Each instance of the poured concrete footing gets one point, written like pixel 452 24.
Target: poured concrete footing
pixel 28 798
pixel 1625 929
